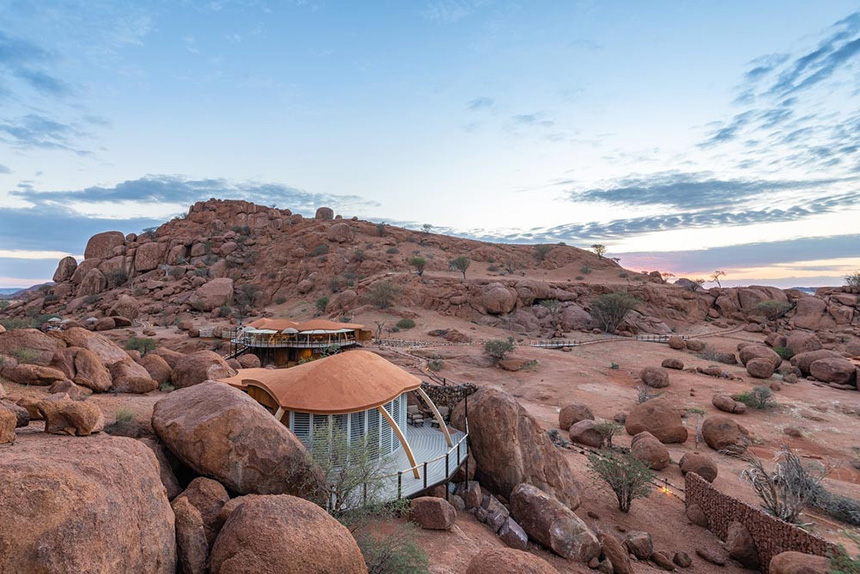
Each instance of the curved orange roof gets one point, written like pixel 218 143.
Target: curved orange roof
pixel 312 325
pixel 343 383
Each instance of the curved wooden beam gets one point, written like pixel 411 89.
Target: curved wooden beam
pixel 402 438
pixel 442 426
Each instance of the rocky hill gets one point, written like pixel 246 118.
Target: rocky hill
pixel 231 259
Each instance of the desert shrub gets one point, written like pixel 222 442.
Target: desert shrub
pixel 783 352
pixel 405 323
pixel 124 415
pixel 809 479
pixel 579 277
pixel 461 264
pixel 201 272
pixel 139 291
pixel 614 366
pixel 841 562
pixel 396 552
pixel 382 294
pixel 166 387
pixel 759 397
pixel 10 324
pixel 492 268
pixel 541 251
pixel 628 477
pixel 717 357
pixel 607 431
pixel 419 263
pixel 772 310
pixel 142 344
pixel 585 269
pixel 25 355
pixel 599 249
pixel 321 249
pixel 853 280
pixel 380 229
pixel 645 394
pixel 280 300
pixel 358 255
pixel 177 272
pixel 51 298
pixel 624 274
pixel 557 438
pixel 334 284
pixel 321 304
pixel 499 349
pixel 435 364
pixel 785 491
pixel 224 311
pixel 117 277
pixel 610 309
pixel 4 303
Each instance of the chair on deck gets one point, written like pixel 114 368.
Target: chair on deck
pixel 442 411
pixel 414 416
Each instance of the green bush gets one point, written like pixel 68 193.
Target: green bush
pixel 392 251
pixel 784 352
pixel 26 355
pixel 585 269
pixel 436 364
pixel 760 398
pixel 320 249
pixel 610 309
pixel 853 280
pixel 321 304
pixel 772 310
pixel 499 349
pixel 142 344
pixel 124 415
pixel 541 251
pixel 382 294
pixel 628 477
pixel 405 324
pixel 607 431
pixel 419 263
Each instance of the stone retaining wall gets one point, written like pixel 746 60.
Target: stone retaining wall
pixel 448 395
pixel 771 535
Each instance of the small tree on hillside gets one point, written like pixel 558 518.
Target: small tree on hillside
pixel 853 280
pixel 715 277
pixel 599 249
pixel 461 263
pixel 499 349
pixel 628 477
pixel 382 294
pixel 419 263
pixel 610 309
pixel 554 308
pixel 541 251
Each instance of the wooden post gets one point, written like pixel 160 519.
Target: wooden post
pixel 402 438
pixel 442 426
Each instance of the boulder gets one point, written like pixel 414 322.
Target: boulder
pixel 722 433
pixel 8 423
pixel 106 350
pixel 508 561
pixel 22 415
pixel 616 553
pixel 584 432
pixel 130 377
pixel 66 416
pixel 654 377
pixel 695 345
pixel 572 414
pixel 192 549
pixel 741 546
pixel 125 306
pixel 662 560
pixel 510 447
pixel 497 299
pixel 727 404
pixel 149 256
pixel 809 313
pixel 102 245
pixel 513 535
pixel 700 464
pixel 432 513
pixel 646 448
pixel 682 559
pixel 803 361
pixel 65 269
pixel 84 368
pixel 172 357
pixel 199 366
pixel 157 367
pixel 696 515
pixel 213 294
pixel 798 563
pixel 284 534
pixel 677 343
pixel 29 346
pixel 84 505
pixel 105 324
pixel 832 370
pixel 249 361
pixel 551 523
pixel 639 544
pixel 208 497
pixel 324 214
pixel 224 434
pixel 25 374
pixel 760 368
pixel 31 406
pixel 75 392
pixel 759 351
pixel 660 418
pixel 94 282
pixel 165 470
pixel 672 363
pixel 802 342
pixel 339 233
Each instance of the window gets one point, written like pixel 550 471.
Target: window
pixel 301 426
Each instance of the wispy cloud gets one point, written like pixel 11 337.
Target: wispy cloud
pixel 482 103
pixel 536 119
pixel 23 59
pixel 39 131
pixel 4 169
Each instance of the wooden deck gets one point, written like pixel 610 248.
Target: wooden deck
pixel 428 445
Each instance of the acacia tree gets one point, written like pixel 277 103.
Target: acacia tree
pixel 599 249
pixel 628 477
pixel 541 251
pixel 461 263
pixel 419 263
pixel 554 308
pixel 715 277
pixel 610 309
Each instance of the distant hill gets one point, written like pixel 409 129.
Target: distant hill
pixel 807 290
pixel 6 293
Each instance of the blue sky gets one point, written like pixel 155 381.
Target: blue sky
pixel 686 136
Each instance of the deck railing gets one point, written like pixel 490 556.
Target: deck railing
pixel 461 449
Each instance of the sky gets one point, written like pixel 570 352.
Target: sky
pixel 686 136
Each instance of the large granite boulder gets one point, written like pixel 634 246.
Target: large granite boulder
pixel 700 464
pixel 646 448
pixel 224 434
pixel 106 350
pixel 199 366
pixel 723 433
pixel 130 377
pixel 26 374
pixel 287 535
pixel 498 299
pixel 554 525
pixel 83 367
pixel 832 370
pixel 658 417
pixel 214 294
pixel 572 414
pixel 101 245
pixel 92 504
pixel 741 546
pixel 159 370
pixel 654 377
pixel 511 448
pixel 66 416
pixel 125 306
pixel 803 361
pixel 759 351
pixel 798 563
pixel 432 513
pixel 149 256
pixel 8 423
pixel 29 346
pixel 508 561
pixel 65 269
pixel 801 342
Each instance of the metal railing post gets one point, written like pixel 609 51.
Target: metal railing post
pixel 425 474
pixel 399 484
